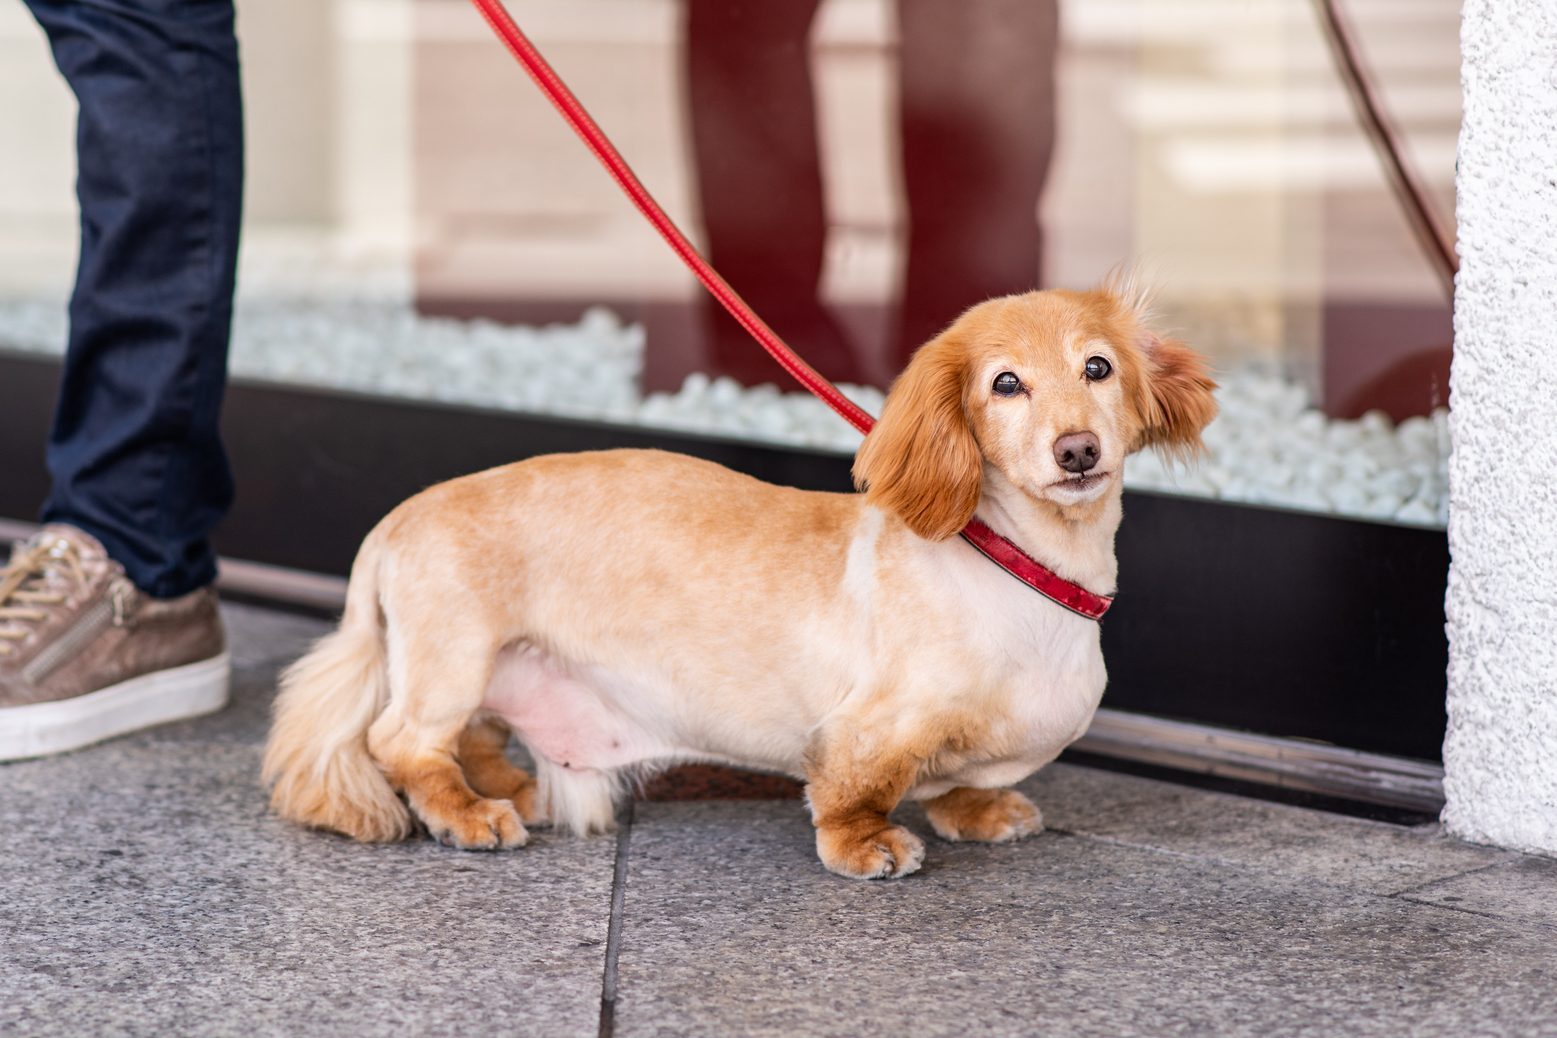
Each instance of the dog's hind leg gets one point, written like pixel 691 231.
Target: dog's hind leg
pixel 985 815
pixel 437 681
pixel 491 774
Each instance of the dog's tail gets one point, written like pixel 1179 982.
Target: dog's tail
pixel 317 762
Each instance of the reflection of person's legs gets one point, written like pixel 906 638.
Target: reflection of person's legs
pixel 753 120
pixel 978 114
pixel 113 592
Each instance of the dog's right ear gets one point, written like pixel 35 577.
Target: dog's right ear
pixel 921 462
pixel 1180 396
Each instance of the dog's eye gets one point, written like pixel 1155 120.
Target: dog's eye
pixel 1007 384
pixel 1098 369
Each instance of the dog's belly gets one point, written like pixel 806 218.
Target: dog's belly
pixel 570 722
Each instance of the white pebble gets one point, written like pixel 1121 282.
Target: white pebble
pixel 1310 423
pixel 696 385
pixel 1375 422
pixel 1382 506
pixel 1346 497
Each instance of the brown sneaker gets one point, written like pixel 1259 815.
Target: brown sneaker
pixel 84 656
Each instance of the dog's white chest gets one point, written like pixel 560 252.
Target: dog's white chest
pixel 1043 678
pixel 1030 719
pixel 1049 704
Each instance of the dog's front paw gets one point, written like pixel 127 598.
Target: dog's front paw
pixel 485 825
pixel 984 815
pixel 883 854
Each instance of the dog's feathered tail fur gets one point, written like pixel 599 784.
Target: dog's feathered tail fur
pixel 317 761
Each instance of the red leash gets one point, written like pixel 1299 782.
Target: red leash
pixel 557 91
pixel 999 550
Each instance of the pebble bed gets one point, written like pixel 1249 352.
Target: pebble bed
pixel 1269 446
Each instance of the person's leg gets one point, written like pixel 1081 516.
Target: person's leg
pixel 754 143
pixel 107 622
pixel 134 452
pixel 978 122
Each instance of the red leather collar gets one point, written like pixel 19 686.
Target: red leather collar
pixel 1034 574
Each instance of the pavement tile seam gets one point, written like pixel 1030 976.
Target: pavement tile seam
pixel 1505 858
pixel 1268 872
pixel 1303 881
pixel 1493 916
pixel 1241 866
pixel 615 922
pixel 1406 892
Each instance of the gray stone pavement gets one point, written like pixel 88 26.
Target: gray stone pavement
pixel 144 890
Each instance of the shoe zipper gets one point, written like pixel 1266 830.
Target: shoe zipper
pixel 94 621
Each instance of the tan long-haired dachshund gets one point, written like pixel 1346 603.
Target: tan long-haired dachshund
pixel 625 610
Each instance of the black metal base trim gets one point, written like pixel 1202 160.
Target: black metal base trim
pixel 1332 771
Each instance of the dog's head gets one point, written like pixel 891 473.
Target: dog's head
pixel 1052 389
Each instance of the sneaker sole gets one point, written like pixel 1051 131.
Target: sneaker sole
pixel 175 694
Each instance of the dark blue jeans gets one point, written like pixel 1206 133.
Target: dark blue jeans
pixel 134 452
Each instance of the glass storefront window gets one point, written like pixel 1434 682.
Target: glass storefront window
pixel 421 225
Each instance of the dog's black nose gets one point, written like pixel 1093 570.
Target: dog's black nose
pixel 1077 452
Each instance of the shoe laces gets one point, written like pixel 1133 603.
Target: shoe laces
pixel 30 584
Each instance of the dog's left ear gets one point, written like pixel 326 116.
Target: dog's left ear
pixel 921 462
pixel 1176 400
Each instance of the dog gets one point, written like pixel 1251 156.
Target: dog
pixel 620 611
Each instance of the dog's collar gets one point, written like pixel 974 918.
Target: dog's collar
pixel 1034 574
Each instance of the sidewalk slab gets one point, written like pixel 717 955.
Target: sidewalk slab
pixel 731 926
pixel 145 889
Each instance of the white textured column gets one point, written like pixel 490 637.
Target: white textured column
pixel 1500 757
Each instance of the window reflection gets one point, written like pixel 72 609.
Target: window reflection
pixel 861 170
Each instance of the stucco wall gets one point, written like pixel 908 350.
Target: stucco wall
pixel 1500 757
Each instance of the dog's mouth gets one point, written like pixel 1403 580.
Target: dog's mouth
pixel 1082 483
